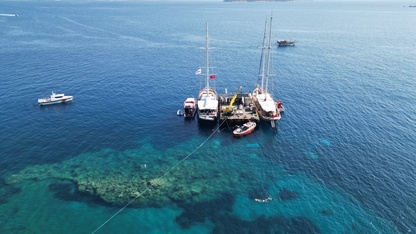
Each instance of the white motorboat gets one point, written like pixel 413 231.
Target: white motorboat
pixel 54 99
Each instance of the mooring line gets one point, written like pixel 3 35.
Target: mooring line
pixel 158 179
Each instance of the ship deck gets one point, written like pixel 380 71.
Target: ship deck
pixel 243 109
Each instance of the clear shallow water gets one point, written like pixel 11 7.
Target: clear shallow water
pixel 340 161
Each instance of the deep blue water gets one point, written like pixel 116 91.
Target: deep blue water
pixel 340 161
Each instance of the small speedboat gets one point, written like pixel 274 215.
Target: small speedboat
pixel 189 107
pixel 54 99
pixel 245 129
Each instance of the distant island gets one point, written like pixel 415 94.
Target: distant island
pixel 259 0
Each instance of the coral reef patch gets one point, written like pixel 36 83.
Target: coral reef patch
pixel 118 177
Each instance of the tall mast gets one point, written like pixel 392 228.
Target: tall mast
pixel 207 59
pixel 263 50
pixel 268 55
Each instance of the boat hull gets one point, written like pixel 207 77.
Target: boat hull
pixel 189 108
pixel 189 113
pixel 50 102
pixel 244 130
pixel 286 43
pixel 267 108
pixel 268 118
pixel 207 118
pixel 208 105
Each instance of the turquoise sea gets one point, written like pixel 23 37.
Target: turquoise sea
pixel 118 159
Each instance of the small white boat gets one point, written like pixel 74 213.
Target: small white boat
pixel 54 99
pixel 246 129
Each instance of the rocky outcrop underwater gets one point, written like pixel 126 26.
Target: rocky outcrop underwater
pixel 145 173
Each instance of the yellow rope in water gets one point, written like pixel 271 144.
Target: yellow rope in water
pixel 158 179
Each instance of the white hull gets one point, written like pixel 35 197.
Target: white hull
pixel 55 99
pixel 210 118
pixel 44 103
pixel 208 105
pixel 189 108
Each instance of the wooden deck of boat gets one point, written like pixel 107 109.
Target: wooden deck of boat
pixel 243 109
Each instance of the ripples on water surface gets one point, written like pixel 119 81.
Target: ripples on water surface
pixel 340 161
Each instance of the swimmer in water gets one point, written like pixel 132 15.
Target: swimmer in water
pixel 264 200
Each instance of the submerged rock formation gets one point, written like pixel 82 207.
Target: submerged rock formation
pixel 286 194
pixel 119 177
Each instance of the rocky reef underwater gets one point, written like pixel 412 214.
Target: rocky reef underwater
pixel 219 182
pixel 155 178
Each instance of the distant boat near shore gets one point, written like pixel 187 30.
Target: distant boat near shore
pixel 283 43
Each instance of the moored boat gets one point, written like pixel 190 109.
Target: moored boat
pixel 208 105
pixel 283 43
pixel 207 108
pixel 54 99
pixel 189 108
pixel 245 129
pixel 267 108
